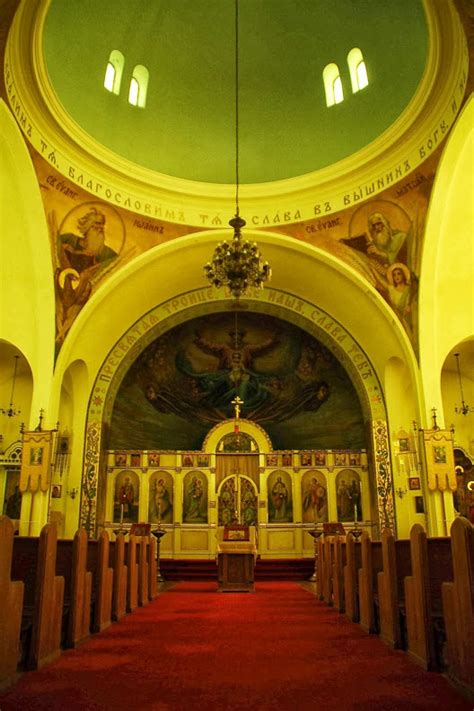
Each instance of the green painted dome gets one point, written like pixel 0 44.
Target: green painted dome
pixel 187 128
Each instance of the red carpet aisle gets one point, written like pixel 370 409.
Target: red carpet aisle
pixel 196 649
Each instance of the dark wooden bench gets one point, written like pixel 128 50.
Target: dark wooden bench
pixel 320 568
pixel 11 608
pixel 339 561
pixel 152 569
pixel 85 565
pixel 431 563
pixel 458 607
pixel 132 573
pixel 72 564
pixel 119 592
pixel 98 563
pixel 327 586
pixel 143 577
pixel 371 566
pixel 34 563
pixel 351 569
pixel 396 562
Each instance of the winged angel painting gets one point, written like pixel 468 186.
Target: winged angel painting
pixel 186 380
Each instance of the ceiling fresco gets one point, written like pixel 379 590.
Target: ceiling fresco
pixel 185 381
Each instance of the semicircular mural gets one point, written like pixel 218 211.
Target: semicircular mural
pixel 185 381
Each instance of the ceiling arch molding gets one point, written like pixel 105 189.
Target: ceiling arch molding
pixel 165 273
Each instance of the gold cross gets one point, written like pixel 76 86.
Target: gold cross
pixel 237 402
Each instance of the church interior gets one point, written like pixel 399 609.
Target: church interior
pixel 237 303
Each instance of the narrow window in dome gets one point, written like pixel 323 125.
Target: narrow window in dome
pixel 138 86
pixel 332 85
pixel 358 70
pixel 113 72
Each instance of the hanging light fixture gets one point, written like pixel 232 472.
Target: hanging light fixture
pixel 12 411
pixel 237 265
pixel 464 409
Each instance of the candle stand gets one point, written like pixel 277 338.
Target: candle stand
pixel 121 528
pixel 316 533
pixel 158 533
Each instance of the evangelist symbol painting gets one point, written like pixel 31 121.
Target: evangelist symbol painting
pixel 184 383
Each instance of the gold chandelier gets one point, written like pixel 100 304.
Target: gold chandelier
pixel 237 264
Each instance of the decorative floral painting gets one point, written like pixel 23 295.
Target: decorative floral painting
pixel 227 502
pixel 248 502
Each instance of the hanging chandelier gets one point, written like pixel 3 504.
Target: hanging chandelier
pixel 12 411
pixel 464 409
pixel 237 264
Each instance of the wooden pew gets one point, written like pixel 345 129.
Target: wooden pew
pixel 102 581
pixel 327 570
pixel 320 568
pixel 11 608
pixel 72 564
pixel 143 578
pixel 34 562
pixel 371 566
pixel 458 606
pixel 353 563
pixel 338 572
pixel 431 564
pixel 119 593
pixel 81 592
pixel 396 562
pixel 152 569
pixel 132 573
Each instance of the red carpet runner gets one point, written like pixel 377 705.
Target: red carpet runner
pixel 194 648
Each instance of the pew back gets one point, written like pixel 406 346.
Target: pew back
pixel 351 592
pixel 11 595
pixel 458 606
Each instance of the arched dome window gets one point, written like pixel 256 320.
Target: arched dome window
pixel 358 70
pixel 138 86
pixel 113 72
pixel 332 84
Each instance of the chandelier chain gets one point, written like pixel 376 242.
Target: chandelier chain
pixel 237 108
pixel 464 409
pixel 237 264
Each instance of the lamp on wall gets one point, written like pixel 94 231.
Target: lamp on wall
pixel 238 264
pixel 464 409
pixel 12 411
